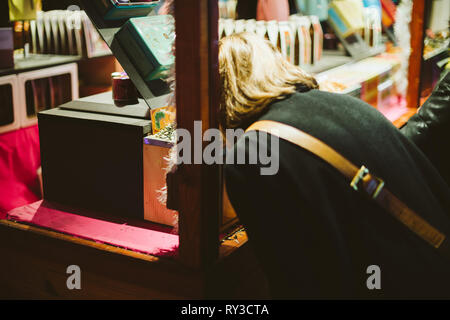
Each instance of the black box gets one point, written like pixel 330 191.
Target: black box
pixel 93 161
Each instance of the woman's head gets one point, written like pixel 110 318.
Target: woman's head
pixel 253 74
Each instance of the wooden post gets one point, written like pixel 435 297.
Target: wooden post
pixel 198 186
pixel 417 30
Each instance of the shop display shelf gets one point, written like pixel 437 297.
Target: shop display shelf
pixel 37 61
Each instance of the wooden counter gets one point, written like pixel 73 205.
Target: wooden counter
pixel 34 263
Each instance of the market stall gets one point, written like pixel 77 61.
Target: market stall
pixel 104 156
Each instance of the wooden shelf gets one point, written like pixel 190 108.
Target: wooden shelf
pixel 328 61
pixel 40 61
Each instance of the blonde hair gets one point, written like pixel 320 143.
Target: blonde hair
pixel 253 74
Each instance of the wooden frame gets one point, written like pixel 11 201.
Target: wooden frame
pixel 417 30
pixel 198 186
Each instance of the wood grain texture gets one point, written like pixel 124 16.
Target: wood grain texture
pixel 154 180
pixel 232 243
pixel 199 186
pixel 417 28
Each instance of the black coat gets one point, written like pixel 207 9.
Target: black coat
pixel 314 236
pixel 430 128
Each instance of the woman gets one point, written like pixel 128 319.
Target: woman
pixel 315 237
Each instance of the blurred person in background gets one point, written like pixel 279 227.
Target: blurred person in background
pixel 266 9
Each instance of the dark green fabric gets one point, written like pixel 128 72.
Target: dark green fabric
pixel 314 235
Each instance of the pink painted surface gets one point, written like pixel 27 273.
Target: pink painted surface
pixel 19 160
pixel 121 235
pixel 393 108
